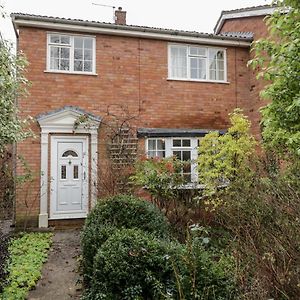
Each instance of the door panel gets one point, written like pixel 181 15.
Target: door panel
pixel 69 183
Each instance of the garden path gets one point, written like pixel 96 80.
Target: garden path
pixel 59 275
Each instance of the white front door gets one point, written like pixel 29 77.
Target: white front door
pixel 69 182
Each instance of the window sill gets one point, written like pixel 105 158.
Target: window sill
pixel 198 80
pixel 71 73
pixel 191 186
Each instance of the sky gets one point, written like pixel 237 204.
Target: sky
pixel 192 15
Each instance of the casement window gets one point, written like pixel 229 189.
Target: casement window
pixel 156 148
pixel 73 54
pixel 197 63
pixel 185 149
pixel 181 148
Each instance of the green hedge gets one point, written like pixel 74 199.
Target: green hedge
pixel 133 264
pixel 122 211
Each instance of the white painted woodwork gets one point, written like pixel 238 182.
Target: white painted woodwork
pixel 69 177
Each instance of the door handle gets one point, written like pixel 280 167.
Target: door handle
pixel 84 175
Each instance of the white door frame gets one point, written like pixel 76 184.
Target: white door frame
pixel 62 121
pixel 54 214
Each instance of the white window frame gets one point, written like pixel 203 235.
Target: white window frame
pixel 188 78
pixel 169 152
pixel 155 139
pixel 71 71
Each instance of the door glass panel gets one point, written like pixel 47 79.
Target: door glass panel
pixel 75 172
pixel 70 153
pixel 63 172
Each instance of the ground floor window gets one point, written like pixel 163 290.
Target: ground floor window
pixel 185 149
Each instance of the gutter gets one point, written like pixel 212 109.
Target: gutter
pixel 128 31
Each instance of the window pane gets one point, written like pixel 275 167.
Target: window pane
pixel 78 65
pixel 87 54
pixel 151 154
pixel 54 52
pixel 179 62
pixel 197 51
pixel 160 144
pixel 187 177
pixel 187 168
pixel 54 64
pixel 213 74
pixel 220 64
pixel 221 75
pixel 64 64
pixel 152 144
pixel 88 66
pixel 70 153
pixel 64 39
pixel 88 43
pixel 198 68
pixel 63 172
pixel 177 154
pixel 177 143
pixel 64 53
pixel 78 54
pixel 186 155
pixel 78 42
pixel 212 53
pixel 160 154
pixel 54 38
pixel 220 54
pixel 186 143
pixel 75 172
pixel 212 64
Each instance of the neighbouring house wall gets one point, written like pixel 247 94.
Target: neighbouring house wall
pixel 258 27
pixel 131 72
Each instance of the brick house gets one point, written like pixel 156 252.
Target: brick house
pixel 178 85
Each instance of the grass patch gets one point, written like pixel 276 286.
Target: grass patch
pixel 27 255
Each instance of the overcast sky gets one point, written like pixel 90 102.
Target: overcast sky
pixel 194 15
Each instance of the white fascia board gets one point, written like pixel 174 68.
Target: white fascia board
pixel 243 14
pixel 132 33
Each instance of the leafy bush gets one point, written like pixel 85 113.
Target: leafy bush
pixel 203 271
pixel 164 181
pixel 222 157
pixel 159 177
pixel 260 209
pixel 133 264
pixel 27 255
pixel 4 255
pixel 117 212
pixel 263 219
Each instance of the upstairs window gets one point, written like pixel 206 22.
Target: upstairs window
pixel 197 63
pixel 74 54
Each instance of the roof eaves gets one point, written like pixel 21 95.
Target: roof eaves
pixel 242 13
pixel 175 132
pixel 133 28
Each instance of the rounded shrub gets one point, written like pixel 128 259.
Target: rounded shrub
pixel 129 212
pixel 122 211
pixel 133 264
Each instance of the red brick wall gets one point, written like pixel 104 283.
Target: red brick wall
pixel 258 26
pixel 132 72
